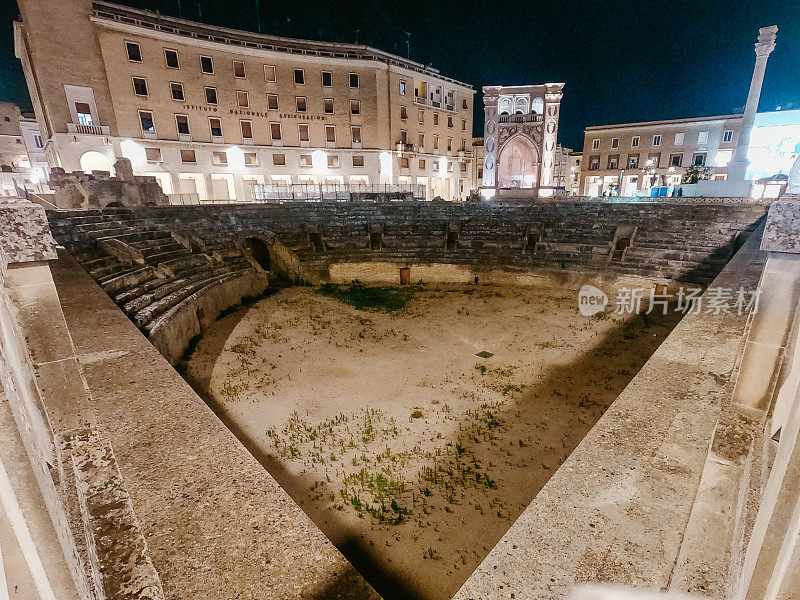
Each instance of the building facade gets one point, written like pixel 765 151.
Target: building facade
pixel 519 146
pixel 631 159
pixel 23 165
pixel 211 111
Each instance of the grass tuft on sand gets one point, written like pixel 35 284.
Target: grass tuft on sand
pixel 385 298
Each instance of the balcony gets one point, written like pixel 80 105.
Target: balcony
pixel 88 129
pixel 421 100
pixel 529 118
pixel 403 147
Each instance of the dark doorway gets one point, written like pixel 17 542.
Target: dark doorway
pixel 316 241
pixel 619 249
pixel 452 240
pixel 375 241
pixel 259 251
pixel 531 241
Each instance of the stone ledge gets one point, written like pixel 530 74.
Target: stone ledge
pixel 26 233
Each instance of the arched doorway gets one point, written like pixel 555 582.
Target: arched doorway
pixel 518 164
pixel 259 251
pixel 95 161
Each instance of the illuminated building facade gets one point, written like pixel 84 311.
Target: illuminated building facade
pixel 519 145
pixel 630 159
pixel 210 111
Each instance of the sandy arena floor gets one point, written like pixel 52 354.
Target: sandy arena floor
pixel 410 452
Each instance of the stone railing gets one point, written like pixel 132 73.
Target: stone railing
pixel 529 118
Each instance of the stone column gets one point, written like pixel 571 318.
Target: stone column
pixel 737 168
pixel 490 131
pixel 552 104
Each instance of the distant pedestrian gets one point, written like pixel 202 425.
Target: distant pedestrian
pixel 679 194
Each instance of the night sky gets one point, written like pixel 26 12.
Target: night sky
pixel 621 61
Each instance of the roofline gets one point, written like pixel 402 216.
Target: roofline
pixel 249 39
pixel 663 122
pixel 530 85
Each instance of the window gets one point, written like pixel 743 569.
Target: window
pixel 594 163
pixel 299 76
pixel 614 143
pixel 302 130
pixel 140 86
pixel 279 160
pixel 403 113
pixel 300 102
pixel 635 141
pixel 463 124
pixel 84 113
pixel 269 74
pixel 422 163
pixel 206 64
pixel 613 162
pixel 679 138
pixel 37 140
pixel 171 57
pixel 182 121
pixel 216 126
pixel 421 140
pixel 435 165
pixel 330 134
pixel 247 130
pixel 421 115
pixel 306 161
pixel 654 160
pixel 134 52
pixel 464 104
pixel 238 69
pixel 464 146
pixel 211 95
pixel 333 161
pixel 404 162
pixel 727 135
pixel 723 157
pixel 449 144
pixel 146 120
pixel 327 106
pixel 702 137
pixel 327 79
pixel 435 142
pixel 153 155
pixel 353 80
pixel 450 122
pixel 243 99
pixel 403 136
pixel 355 132
pixel 275 132
pixel 699 159
pixel 633 161
pixel 272 101
pixel 675 160
pixel 656 140
pixel 355 107
pixel 358 160
pixel 402 88
pixel 220 158
pixel 250 159
pixel 188 156
pixel 595 144
pixel 435 118
pixel 176 89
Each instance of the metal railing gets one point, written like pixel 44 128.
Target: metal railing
pixel 333 192
pixel 529 118
pixel 88 129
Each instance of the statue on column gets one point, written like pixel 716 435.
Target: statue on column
pixel 794 174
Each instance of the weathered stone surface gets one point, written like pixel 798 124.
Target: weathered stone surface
pixel 782 231
pixel 25 233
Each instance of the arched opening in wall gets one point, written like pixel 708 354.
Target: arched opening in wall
pixel 375 240
pixel 259 251
pixel 531 241
pixel 537 106
pixel 452 240
pixel 315 239
pixel 619 249
pixel 95 161
pixel 518 163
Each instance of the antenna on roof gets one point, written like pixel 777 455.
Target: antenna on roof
pixel 180 9
pixel 408 44
pixel 258 17
pixel 357 31
pixel 199 11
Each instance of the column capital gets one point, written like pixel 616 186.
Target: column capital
pixel 766 40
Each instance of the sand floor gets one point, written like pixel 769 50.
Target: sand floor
pixel 410 452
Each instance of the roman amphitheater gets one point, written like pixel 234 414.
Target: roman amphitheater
pixel 375 399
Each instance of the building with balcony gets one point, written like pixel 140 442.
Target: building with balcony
pixel 210 111
pixel 22 161
pixel 631 159
pixel 519 145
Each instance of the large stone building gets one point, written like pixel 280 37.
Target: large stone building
pixel 630 159
pixel 520 132
pixel 210 111
pixel 22 161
